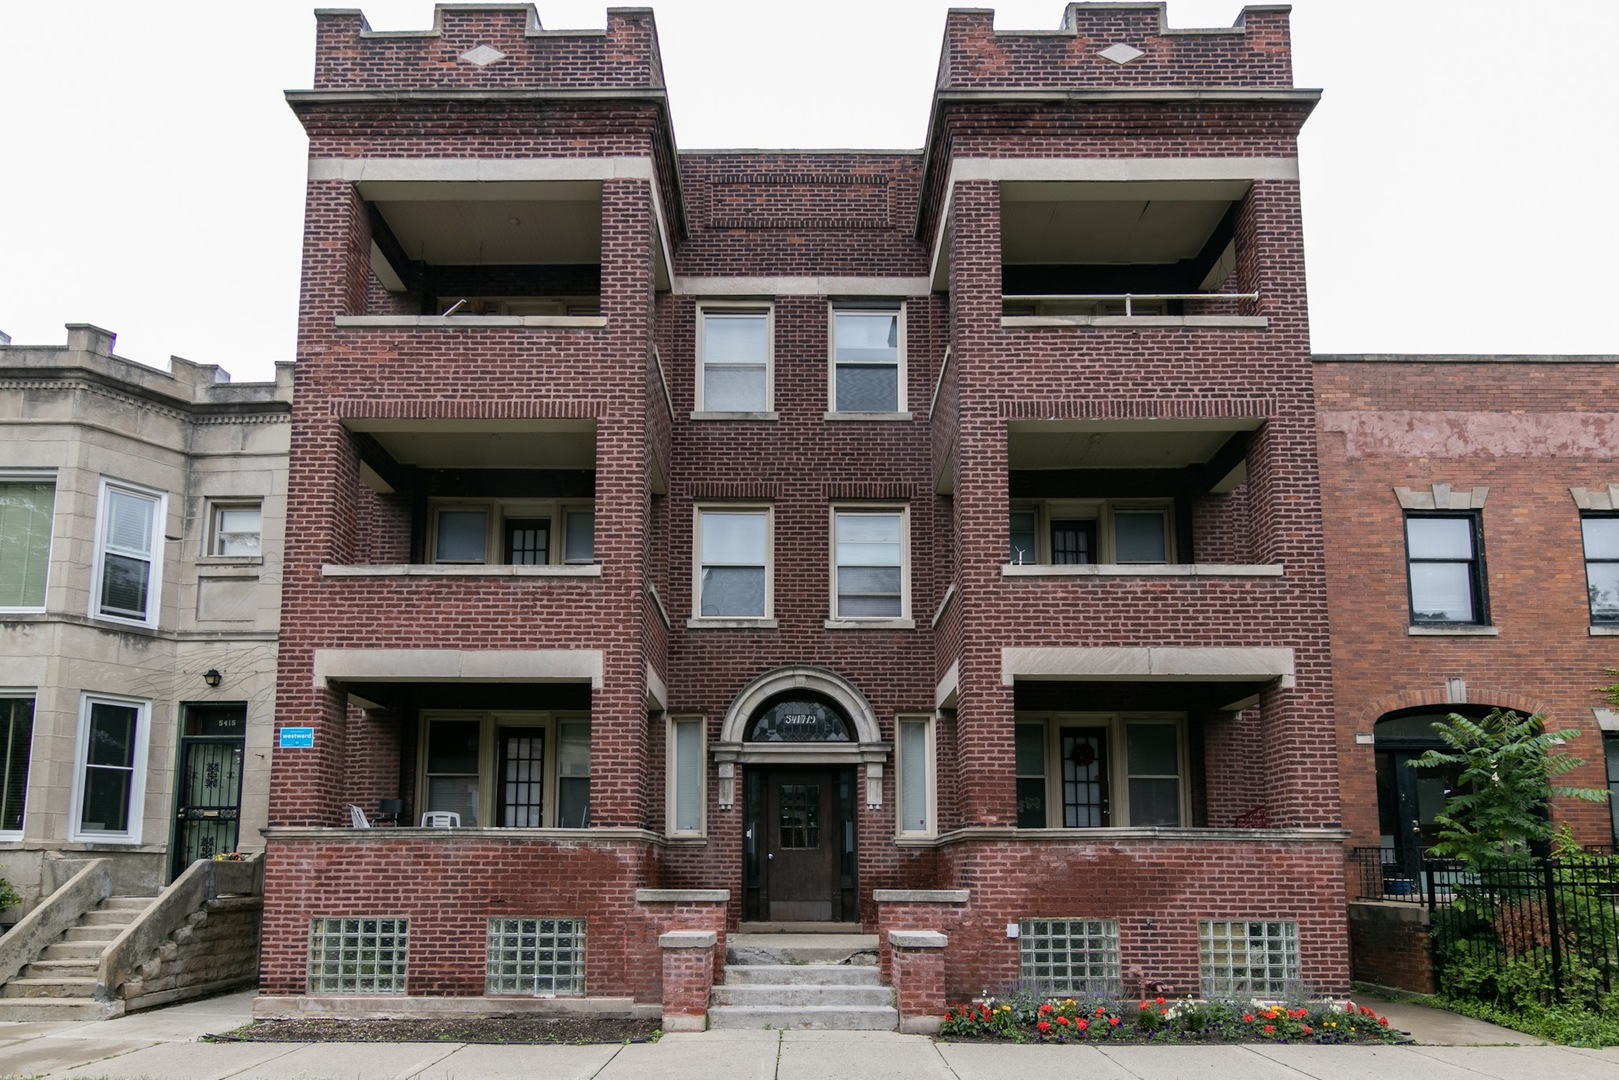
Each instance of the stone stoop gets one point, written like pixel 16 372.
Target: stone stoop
pixel 802 981
pixel 61 983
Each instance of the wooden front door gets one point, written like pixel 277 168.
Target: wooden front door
pixel 802 842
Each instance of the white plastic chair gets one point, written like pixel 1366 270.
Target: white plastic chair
pixel 441 819
pixel 357 818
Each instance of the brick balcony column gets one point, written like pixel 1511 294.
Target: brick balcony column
pixel 918 979
pixel 688 977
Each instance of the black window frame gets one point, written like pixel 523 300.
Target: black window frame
pixel 1596 515
pixel 1477 575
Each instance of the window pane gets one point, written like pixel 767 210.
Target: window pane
pixel 1155 802
pixel 1152 749
pixel 1601 537
pixel 462 536
pixel 869 591
pixel 112 735
pixel 238 531
pixel 734 338
pixel 1031 802
pixel 1441 592
pixel 1439 538
pixel 579 541
pixel 573 749
pixel 863 538
pixel 866 336
pixel 25 540
pixel 1602 580
pixel 1022 544
pixel 734 389
pixel 458 794
pixel 452 746
pixel 913 778
pixel 737 539
pixel 733 591
pixel 16 739
pixel 1030 749
pixel 573 802
pixel 106 801
pixel 867 389
pixel 688 776
pixel 123 585
pixel 1139 537
pixel 129 522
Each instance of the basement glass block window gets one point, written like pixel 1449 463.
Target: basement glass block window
pixel 1069 956
pixel 1259 959
pixel 357 956
pixel 536 957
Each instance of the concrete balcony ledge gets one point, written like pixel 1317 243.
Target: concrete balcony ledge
pixel 920 896
pixel 1137 835
pixel 470 322
pixel 1138 322
pixel 683 896
pixel 1223 570
pixel 387 835
pixel 433 570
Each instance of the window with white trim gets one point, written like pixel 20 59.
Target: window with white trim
pixel 27 506
pixel 870 563
pixel 1601 534
pixel 1100 770
pixel 733 572
pixel 735 351
pixel 512 533
pixel 1085 532
pixel 358 956
pixel 915 771
pixel 687 783
pixel 234 530
pixel 1248 959
pixel 110 769
pixel 868 358
pixel 16 743
pixel 507 770
pixel 536 957
pixel 1069 956
pixel 129 554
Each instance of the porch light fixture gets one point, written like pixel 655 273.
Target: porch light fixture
pixel 213 678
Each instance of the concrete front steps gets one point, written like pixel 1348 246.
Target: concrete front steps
pixel 61 983
pixel 781 981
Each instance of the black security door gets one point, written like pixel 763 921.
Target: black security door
pixel 209 800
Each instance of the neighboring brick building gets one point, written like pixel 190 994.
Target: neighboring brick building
pixel 140 551
pixel 881 540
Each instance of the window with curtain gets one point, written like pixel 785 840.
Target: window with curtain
pixel 869 551
pixel 26 508
pixel 733 552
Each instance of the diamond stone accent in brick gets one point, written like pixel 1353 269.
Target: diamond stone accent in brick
pixel 484 55
pixel 1119 54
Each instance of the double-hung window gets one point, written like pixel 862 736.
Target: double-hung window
pixel 27 503
pixel 734 352
pixel 1094 771
pixel 1602 566
pixel 507 770
pixel 868 359
pixel 129 554
pixel 234 530
pixel 1083 532
pixel 685 810
pixel 1446 562
pixel 733 572
pixel 870 571
pixel 110 769
pixel 914 768
pixel 512 533
pixel 16 741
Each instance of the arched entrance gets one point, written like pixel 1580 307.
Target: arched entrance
pixel 801 736
pixel 1409 799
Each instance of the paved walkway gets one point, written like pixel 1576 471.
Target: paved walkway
pixel 161 1045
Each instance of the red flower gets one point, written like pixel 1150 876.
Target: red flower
pixel 1042 1027
pixel 1163 1012
pixel 1383 1021
pixel 1270 1029
pixel 1100 1012
pixel 1082 1023
pixel 1145 1006
pixel 949 1016
pixel 1307 1029
pixel 1045 1010
pixel 1062 1021
pixel 1247 1018
pixel 1158 1001
pixel 1113 1021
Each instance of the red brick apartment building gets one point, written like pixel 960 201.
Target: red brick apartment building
pixel 916 543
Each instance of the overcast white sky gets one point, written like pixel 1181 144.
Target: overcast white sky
pixel 1458 175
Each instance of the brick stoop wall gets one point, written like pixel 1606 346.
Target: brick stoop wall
pixel 1389 943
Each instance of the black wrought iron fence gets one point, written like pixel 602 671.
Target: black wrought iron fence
pixel 1546 930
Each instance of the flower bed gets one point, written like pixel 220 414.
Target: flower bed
pixel 1025 1018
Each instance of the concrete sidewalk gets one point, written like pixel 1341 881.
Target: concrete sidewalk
pixel 161 1045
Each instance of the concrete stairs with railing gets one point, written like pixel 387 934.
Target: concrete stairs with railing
pixel 802 981
pixel 61 983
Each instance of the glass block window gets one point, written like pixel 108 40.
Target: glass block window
pixel 1248 958
pixel 1069 956
pixel 357 956
pixel 536 957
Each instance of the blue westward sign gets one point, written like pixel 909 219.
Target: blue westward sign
pixel 297 738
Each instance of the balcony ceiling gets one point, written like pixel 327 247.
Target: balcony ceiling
pixel 490 444
pixel 1122 445
pixel 492 224
pixel 1160 222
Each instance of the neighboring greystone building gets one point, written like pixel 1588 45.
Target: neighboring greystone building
pixel 141 517
pixel 892 540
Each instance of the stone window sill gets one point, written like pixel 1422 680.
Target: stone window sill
pixel 768 415
pixel 430 570
pixel 730 624
pixel 1143 570
pixel 870 624
pixel 1138 322
pixel 1605 631
pixel 880 417
pixel 470 322
pixel 1454 631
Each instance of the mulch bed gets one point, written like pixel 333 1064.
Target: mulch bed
pixel 473 1029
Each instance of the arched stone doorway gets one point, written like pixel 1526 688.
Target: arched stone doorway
pixel 801 740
